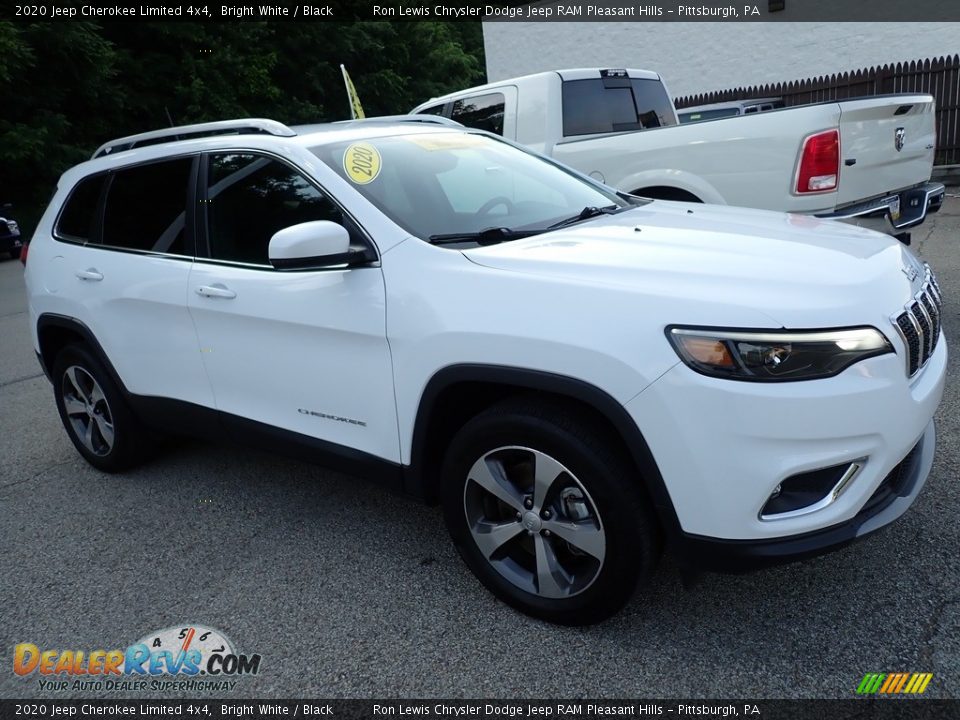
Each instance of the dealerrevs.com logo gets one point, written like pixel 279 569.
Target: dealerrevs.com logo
pixel 180 658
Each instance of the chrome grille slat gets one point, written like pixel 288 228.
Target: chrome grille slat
pixel 919 324
pixel 926 326
pixel 934 314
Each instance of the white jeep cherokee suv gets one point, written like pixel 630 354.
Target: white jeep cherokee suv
pixel 577 375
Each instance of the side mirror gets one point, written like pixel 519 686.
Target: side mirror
pixel 316 244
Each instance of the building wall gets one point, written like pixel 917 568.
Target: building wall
pixel 698 57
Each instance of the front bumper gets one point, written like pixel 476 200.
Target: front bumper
pixel 895 213
pixel 723 447
pixel 891 500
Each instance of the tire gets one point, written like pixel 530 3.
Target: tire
pixel 94 413
pixel 667 193
pixel 590 520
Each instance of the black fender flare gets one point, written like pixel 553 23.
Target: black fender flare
pixel 48 321
pixel 536 380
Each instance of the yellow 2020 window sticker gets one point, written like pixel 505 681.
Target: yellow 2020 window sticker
pixel 362 163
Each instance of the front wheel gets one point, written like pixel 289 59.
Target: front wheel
pixel 547 513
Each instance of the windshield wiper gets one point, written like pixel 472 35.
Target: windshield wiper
pixel 487 236
pixel 588 212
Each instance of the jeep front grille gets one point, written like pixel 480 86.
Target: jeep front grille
pixel 919 324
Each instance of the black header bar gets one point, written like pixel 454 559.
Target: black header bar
pixel 724 11
pixel 433 709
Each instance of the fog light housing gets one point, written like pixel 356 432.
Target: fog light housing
pixel 810 491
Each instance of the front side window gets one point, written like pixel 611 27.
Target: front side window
pixel 250 197
pixel 78 220
pixel 146 207
pixel 483 112
pixel 442 183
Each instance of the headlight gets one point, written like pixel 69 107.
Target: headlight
pixel 771 355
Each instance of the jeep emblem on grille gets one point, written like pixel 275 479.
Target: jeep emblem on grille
pixel 898 137
pixel 911 272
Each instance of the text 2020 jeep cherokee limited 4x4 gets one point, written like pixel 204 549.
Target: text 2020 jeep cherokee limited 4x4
pixel 575 374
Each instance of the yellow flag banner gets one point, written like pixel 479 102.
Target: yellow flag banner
pixel 356 109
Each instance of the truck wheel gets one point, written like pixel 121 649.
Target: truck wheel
pixel 94 413
pixel 667 193
pixel 547 513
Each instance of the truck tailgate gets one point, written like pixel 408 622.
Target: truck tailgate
pixel 892 140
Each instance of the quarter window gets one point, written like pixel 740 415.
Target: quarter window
pixel 250 197
pixel 146 207
pixel 78 221
pixel 484 112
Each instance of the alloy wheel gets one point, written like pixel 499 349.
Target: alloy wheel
pixel 534 522
pixel 87 410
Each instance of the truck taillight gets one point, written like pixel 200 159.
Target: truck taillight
pixel 819 163
pixel 23 253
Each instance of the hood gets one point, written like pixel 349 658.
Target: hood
pixel 795 269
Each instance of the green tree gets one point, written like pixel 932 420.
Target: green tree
pixel 71 86
pixel 56 81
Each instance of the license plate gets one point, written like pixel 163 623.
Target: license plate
pixel 895 210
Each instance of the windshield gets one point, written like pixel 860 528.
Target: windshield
pixel 452 184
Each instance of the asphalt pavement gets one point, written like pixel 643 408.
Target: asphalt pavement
pixel 348 591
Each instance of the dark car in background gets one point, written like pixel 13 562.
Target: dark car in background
pixel 10 241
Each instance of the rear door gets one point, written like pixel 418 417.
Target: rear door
pixel 123 258
pixel 886 144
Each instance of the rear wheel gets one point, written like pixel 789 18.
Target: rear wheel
pixel 667 193
pixel 547 514
pixel 94 413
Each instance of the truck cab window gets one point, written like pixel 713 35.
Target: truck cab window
pixel 484 112
pixel 594 106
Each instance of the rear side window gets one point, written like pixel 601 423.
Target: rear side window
pixel 605 105
pixel 251 197
pixel 78 221
pixel 146 207
pixel 484 112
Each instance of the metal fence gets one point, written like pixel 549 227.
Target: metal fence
pixel 939 77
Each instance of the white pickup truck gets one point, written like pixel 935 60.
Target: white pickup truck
pixel 867 161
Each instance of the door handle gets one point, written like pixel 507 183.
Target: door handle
pixel 217 290
pixel 90 274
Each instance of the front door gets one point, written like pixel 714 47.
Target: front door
pixel 304 351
